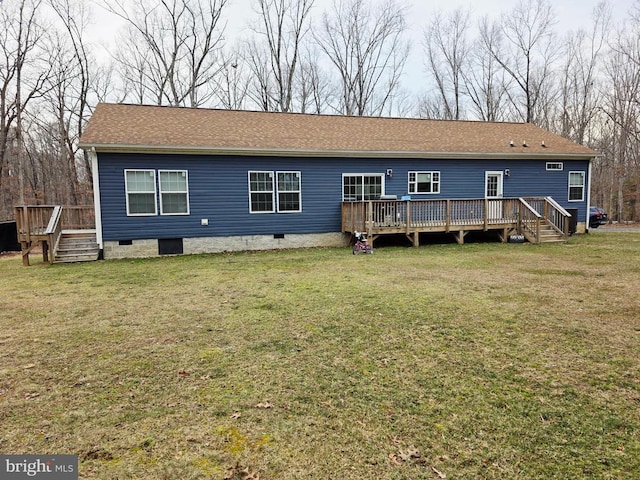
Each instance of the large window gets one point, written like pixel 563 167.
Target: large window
pixel 356 188
pixel 576 186
pixel 174 192
pixel 424 182
pixel 140 186
pixel 261 192
pixel 289 192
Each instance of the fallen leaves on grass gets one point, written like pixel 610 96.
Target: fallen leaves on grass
pixel 237 472
pixel 264 405
pixel 438 472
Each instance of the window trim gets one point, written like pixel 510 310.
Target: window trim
pixel 273 190
pixel 415 183
pixel 278 191
pixel 362 175
pixel 549 166
pixel 186 192
pixel 127 192
pixel 584 181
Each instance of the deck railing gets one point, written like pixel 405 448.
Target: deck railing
pixel 555 214
pixel 80 217
pixel 32 220
pixel 410 216
pixel 400 214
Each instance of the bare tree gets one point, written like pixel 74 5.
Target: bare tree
pixel 447 56
pixel 232 85
pixel 22 75
pixel 621 131
pixel 314 92
pixel 581 93
pixel 366 47
pixel 170 54
pixel 70 82
pixel 485 82
pixel 526 50
pixel 283 25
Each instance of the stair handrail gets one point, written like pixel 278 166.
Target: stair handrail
pixel 565 216
pixel 527 215
pixel 54 232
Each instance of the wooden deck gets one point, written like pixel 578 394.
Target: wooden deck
pixel 48 225
pixel 538 219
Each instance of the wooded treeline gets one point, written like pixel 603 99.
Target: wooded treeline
pixel 347 57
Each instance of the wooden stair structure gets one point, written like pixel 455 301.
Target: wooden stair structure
pixel 65 233
pixel 77 246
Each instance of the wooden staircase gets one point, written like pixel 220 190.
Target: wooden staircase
pixel 77 246
pixel 548 234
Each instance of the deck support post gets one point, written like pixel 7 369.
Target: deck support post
pixel 504 236
pixel 414 237
pixel 460 236
pixel 45 251
pixel 25 253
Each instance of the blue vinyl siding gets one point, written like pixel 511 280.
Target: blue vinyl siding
pixel 219 191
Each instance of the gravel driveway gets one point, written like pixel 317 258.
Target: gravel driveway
pixel 617 227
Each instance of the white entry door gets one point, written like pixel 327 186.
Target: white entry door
pixel 493 194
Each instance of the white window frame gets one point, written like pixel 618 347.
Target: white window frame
pixel 414 183
pixel 555 166
pixel 186 191
pixel 279 191
pixel 127 192
pixel 362 175
pixel 272 191
pixel 584 178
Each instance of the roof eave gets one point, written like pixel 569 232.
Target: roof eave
pixel 278 152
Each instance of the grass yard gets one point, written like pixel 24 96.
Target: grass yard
pixel 488 361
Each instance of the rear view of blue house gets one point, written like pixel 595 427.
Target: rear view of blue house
pixel 182 180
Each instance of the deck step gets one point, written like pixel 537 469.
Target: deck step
pixel 77 247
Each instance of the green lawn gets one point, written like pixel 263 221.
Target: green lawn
pixel 496 361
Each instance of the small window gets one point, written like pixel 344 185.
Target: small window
pixel 424 182
pixel 140 186
pixel 261 194
pixel 555 166
pixel 356 188
pixel 289 192
pixel 576 186
pixel 174 192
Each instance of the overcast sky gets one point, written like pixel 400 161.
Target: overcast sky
pixel 571 15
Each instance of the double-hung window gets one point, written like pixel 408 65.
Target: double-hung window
pixel 261 192
pixel 424 182
pixel 274 191
pixel 140 187
pixel 174 192
pixel 357 187
pixel 289 192
pixel 576 186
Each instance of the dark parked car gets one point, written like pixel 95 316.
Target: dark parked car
pixel 597 217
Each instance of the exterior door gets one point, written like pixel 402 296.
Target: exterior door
pixel 493 193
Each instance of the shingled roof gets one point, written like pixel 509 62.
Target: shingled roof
pixel 141 128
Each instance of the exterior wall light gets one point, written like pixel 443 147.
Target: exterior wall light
pixel 507 172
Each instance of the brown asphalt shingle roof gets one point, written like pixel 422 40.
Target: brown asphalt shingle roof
pixel 121 127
